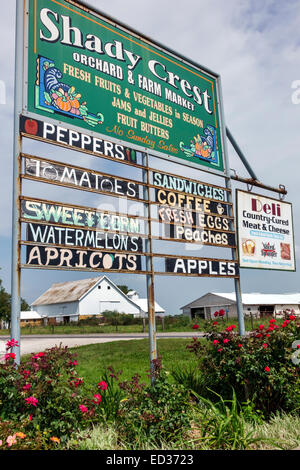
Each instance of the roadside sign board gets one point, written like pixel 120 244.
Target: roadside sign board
pixel 265 232
pixel 91 74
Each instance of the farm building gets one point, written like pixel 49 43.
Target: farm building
pixel 256 304
pixel 75 300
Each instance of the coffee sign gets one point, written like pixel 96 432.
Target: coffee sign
pixel 265 232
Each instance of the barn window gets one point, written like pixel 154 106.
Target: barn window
pixel 99 287
pixel 108 287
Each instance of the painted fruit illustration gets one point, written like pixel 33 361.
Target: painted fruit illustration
pixel 63 97
pixel 31 127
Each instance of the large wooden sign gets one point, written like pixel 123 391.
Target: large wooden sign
pixel 102 89
pixel 89 73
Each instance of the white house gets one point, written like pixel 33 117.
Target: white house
pixel 256 304
pixel 73 300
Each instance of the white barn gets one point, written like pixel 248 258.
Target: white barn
pixel 256 304
pixel 74 300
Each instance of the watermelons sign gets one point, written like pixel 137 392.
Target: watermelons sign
pixel 90 73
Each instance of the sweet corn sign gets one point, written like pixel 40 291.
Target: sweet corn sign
pixel 92 74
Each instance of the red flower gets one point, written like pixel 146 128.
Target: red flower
pixel 9 356
pixel 265 345
pixel 215 341
pixel 292 317
pixel 229 328
pixel 220 350
pixel 83 409
pixel 267 369
pixel 215 323
pixel 259 335
pixel 27 387
pixel 240 345
pixel 272 320
pixel 221 313
pixel 102 385
pixel 195 327
pixel 31 401
pixel 261 327
pixel 226 341
pixel 216 314
pixel 97 398
pixel 12 343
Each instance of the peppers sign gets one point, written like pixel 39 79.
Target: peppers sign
pixel 265 232
pixel 90 73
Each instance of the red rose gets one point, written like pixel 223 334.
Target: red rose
pixel 267 369
pixel 195 327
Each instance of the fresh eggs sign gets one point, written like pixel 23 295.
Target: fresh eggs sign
pixel 88 72
pixel 265 232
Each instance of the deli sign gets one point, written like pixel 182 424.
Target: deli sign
pixel 265 232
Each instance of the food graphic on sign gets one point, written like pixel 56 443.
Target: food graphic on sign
pixel 248 247
pixel 55 96
pixel 203 146
pixel 285 250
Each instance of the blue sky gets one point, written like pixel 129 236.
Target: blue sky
pixel 255 47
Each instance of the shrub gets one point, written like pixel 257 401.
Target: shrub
pixel 258 366
pixel 154 413
pixel 46 393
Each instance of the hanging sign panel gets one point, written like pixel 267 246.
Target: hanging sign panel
pixel 58 257
pixel 69 236
pixel 74 140
pixel 265 232
pixel 202 267
pixel 36 210
pixel 88 72
pixel 53 172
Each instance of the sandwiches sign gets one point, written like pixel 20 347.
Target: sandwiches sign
pixel 89 73
pixel 265 232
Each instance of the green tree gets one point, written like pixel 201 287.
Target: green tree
pixel 124 289
pixel 4 303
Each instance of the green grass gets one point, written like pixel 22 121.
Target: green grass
pixel 131 357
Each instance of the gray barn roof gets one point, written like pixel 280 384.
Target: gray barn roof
pixel 214 299
pixel 70 291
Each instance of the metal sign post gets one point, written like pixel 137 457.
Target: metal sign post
pixel 18 101
pixel 237 281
